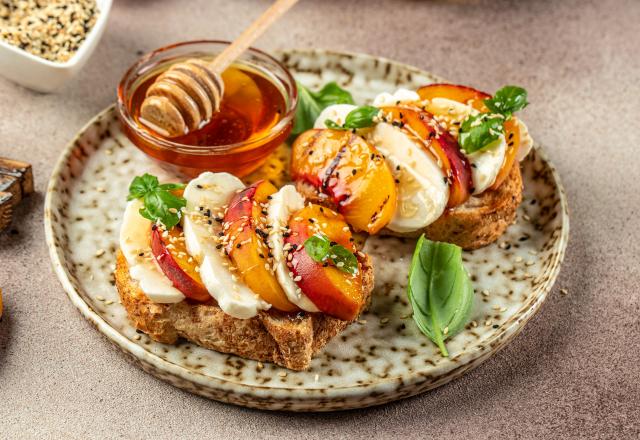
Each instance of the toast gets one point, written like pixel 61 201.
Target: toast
pixel 283 339
pixel 480 221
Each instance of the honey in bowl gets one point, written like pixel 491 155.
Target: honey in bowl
pixel 255 116
pixel 251 106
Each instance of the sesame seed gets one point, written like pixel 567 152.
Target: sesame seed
pixel 564 291
pixel 485 292
pixel 100 252
pixel 282 374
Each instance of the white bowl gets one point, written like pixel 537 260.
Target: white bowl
pixel 43 75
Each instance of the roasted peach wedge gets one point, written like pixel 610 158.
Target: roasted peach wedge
pixel 351 172
pixel 466 95
pixel 512 136
pixel 333 291
pixel 245 226
pixel 170 253
pixel 440 144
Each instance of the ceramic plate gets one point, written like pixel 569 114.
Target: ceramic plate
pixel 381 358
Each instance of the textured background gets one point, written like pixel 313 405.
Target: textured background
pixel 575 369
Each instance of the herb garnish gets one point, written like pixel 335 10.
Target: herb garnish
pixel 507 101
pixel 439 290
pixel 311 104
pixel 322 250
pixel 360 117
pixel 482 131
pixel 479 132
pixel 160 204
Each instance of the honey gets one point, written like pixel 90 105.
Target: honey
pixel 251 106
pixel 254 118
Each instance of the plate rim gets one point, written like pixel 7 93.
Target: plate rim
pixel 304 398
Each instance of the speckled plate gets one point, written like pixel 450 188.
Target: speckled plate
pixel 383 357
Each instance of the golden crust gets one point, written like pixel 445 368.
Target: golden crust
pixel 482 219
pixel 476 223
pixel 286 340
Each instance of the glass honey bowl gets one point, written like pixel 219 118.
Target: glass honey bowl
pixel 256 113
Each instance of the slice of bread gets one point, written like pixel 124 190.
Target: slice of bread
pixel 480 221
pixel 283 339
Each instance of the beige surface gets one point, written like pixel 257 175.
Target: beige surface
pixel 574 371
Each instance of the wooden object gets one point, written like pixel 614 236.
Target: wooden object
pixel 183 98
pixel 16 181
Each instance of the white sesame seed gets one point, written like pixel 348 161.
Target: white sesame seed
pixel 100 252
pixel 485 292
pixel 564 291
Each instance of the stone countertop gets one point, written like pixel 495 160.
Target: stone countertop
pixel 574 370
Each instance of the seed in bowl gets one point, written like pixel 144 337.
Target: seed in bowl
pixel 53 30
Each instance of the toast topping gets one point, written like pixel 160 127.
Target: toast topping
pixel 471 137
pixel 238 245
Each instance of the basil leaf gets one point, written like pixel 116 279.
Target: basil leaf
pixel 343 259
pixel 311 104
pixel 439 291
pixel 360 117
pixel 317 246
pixel 171 186
pixel 331 124
pixel 321 249
pixel 160 204
pixel 479 132
pixel 141 185
pixel 507 101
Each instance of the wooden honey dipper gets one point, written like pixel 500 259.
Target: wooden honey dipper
pixel 185 96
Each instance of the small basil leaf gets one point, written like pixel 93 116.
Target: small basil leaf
pixel 317 246
pixel 361 117
pixel 331 94
pixel 171 186
pixel 331 124
pixel 311 104
pixel 160 204
pixel 320 249
pixel 479 132
pixel 140 185
pixel 343 259
pixel 507 100
pixel 439 291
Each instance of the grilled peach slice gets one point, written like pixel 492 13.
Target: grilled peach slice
pixel 333 291
pixel 352 173
pixel 466 95
pixel 170 252
pixel 441 145
pixel 244 223
pixel 512 135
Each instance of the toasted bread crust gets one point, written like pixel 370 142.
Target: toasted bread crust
pixel 286 340
pixel 480 221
